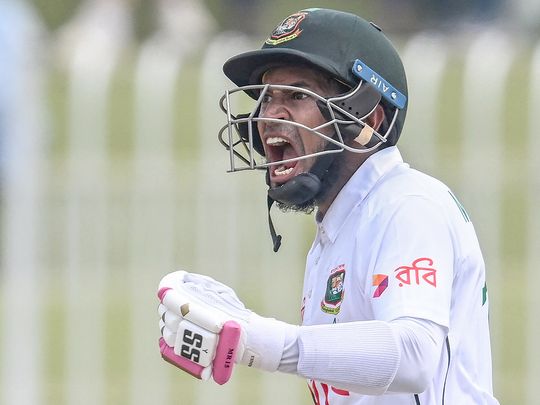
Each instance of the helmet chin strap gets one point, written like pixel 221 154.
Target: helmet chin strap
pixel 300 189
pixel 276 239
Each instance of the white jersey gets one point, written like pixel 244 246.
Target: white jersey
pixel 397 243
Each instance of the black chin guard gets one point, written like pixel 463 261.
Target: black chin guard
pixel 298 190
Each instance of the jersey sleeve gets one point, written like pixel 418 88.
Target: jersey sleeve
pixel 411 274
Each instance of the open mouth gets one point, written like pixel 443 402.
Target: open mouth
pixel 277 150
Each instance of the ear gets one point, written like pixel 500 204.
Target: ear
pixel 373 121
pixel 376 118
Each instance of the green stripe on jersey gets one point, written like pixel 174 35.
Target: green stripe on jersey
pixel 460 206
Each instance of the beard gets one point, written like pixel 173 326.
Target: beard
pixel 306 208
pixel 327 184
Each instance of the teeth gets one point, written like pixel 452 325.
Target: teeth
pixel 276 140
pixel 282 171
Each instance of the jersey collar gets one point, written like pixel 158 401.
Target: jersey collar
pixel 356 190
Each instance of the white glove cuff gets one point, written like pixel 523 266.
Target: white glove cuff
pixel 265 342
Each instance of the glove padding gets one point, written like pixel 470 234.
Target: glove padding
pixel 205 329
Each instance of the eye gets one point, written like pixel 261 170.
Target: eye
pixel 298 95
pixel 266 99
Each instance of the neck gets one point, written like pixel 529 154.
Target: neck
pixel 350 164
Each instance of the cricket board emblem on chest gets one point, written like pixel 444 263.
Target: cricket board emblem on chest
pixel 335 291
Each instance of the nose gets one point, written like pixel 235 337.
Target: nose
pixel 274 109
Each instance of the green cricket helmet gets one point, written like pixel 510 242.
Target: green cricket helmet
pixel 342 46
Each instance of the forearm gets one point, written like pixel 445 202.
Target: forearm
pixel 367 357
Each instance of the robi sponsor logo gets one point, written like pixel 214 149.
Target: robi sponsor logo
pixel 420 272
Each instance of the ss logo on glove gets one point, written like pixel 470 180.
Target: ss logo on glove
pixel 191 346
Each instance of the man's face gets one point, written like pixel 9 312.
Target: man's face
pixel 285 141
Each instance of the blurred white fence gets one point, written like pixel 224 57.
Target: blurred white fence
pixel 87 231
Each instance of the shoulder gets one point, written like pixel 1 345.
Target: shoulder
pixel 409 202
pixel 404 185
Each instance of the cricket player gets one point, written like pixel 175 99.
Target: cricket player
pixel 394 305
